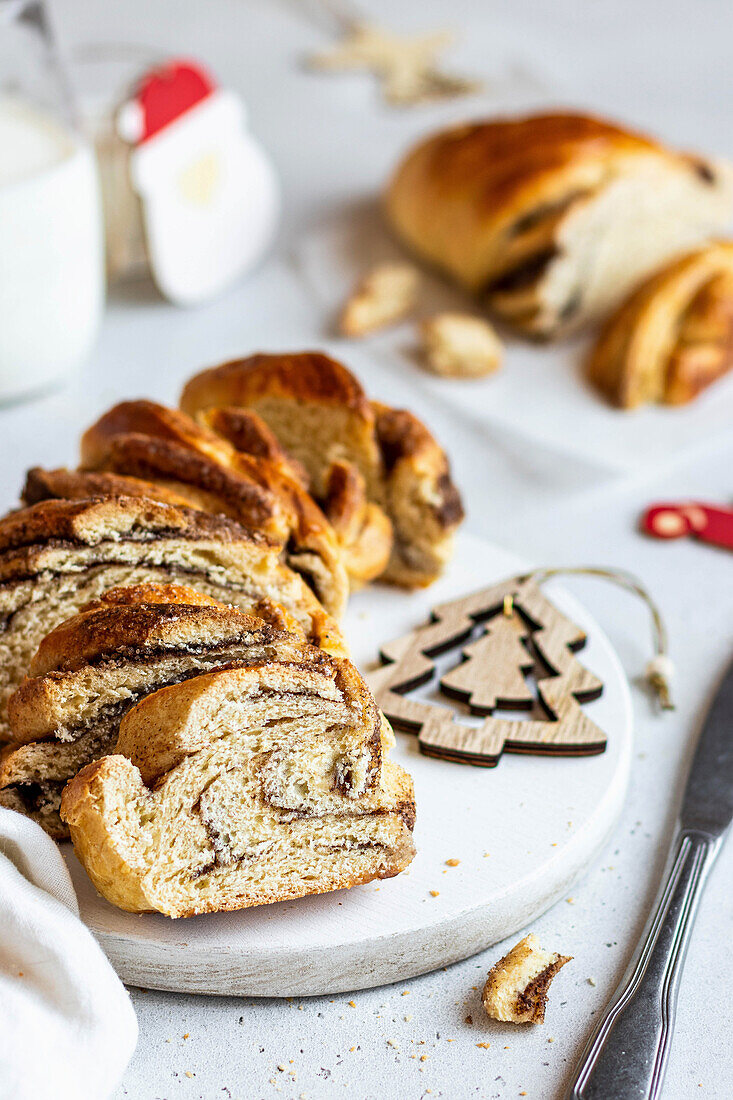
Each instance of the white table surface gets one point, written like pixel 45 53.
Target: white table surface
pixel 666 67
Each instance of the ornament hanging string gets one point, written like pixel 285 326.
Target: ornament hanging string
pixel 659 671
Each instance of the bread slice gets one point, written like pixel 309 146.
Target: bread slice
pixel 673 337
pixel 56 556
pixel 90 670
pixel 164 446
pixel 245 786
pixel 322 417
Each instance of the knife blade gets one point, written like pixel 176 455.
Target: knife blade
pixel 707 804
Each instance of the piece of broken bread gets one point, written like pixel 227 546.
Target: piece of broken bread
pixel 383 297
pixel 458 345
pixel 259 782
pixel 516 988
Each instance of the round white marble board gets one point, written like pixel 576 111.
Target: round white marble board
pixel 523 832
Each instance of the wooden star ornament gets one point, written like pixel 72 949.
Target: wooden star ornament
pixel 406 65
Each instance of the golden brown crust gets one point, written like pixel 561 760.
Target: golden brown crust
pixel 249 434
pixel 147 418
pixel 51 535
pixel 362 527
pixel 376 470
pixel 303 376
pixel 167 447
pixel 63 484
pixel 210 484
pixel 123 629
pixel 86 522
pixel 673 336
pixel 522 209
pixel 405 439
pixel 152 593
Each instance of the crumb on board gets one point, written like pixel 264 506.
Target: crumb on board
pixel 452 862
pixel 434 893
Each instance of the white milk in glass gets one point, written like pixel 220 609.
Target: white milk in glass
pixel 51 250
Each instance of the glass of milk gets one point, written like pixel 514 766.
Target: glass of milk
pixel 51 228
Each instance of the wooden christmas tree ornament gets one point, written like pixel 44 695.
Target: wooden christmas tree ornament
pixel 524 632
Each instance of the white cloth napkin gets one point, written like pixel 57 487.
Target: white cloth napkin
pixel 67 1026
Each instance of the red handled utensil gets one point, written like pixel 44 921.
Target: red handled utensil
pixel 707 522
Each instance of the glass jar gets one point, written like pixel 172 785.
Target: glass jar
pixel 51 227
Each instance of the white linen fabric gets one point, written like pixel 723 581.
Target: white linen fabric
pixel 67 1026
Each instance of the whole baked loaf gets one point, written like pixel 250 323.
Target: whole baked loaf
pixel 259 782
pixel 90 670
pixel 673 337
pixel 363 459
pixel 553 218
pixel 57 556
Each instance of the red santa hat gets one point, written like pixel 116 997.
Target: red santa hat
pixel 163 96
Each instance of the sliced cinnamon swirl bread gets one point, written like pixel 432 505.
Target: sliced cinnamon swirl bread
pixel 147 441
pixel 248 785
pixel 56 556
pixel 90 670
pixel 388 462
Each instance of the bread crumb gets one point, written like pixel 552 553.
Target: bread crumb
pixel 458 345
pixel 188 1073
pixel 550 1040
pixel 405 993
pixel 353 1004
pixel 469 1019
pixel 483 1046
pixel 434 893
pixel 187 1035
pixel 383 297
pixel 423 1057
pixel 281 1068
pixel 452 862
pixel 570 901
pixel 591 981
pixel 407 1019
pixel 516 987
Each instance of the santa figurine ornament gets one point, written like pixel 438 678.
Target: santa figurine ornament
pixel 208 192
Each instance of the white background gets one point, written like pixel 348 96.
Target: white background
pixel 665 67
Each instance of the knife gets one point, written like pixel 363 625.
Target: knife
pixel 626 1056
